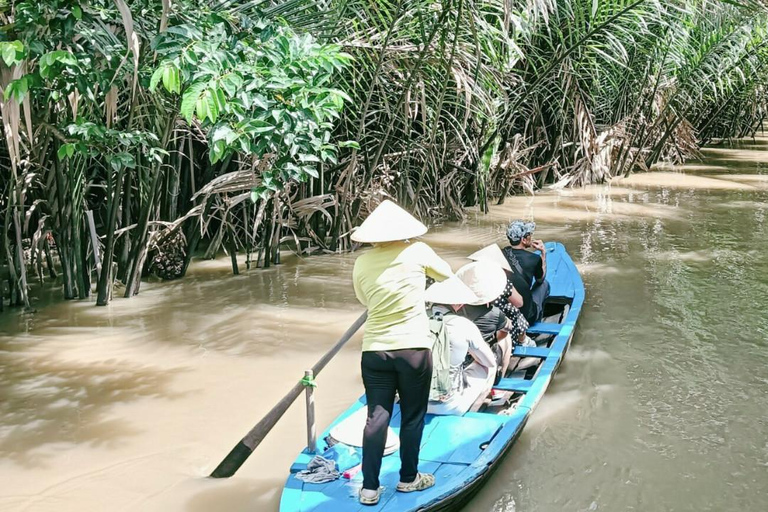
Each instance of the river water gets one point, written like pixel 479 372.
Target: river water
pixel 661 404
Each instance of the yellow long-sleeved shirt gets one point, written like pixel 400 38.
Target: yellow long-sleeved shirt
pixel 390 280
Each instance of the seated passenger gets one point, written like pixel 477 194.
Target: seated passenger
pixel 470 382
pixel 487 281
pixel 510 301
pixel 530 269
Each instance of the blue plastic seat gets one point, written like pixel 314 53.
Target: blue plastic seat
pixel 540 352
pixel 545 328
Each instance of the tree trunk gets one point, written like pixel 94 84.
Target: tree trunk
pixel 23 289
pixel 49 260
pixel 62 232
pixel 232 249
pixel 139 252
pixel 125 245
pixel 79 262
pixel 268 234
pixel 105 279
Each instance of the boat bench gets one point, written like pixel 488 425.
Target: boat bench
pixel 545 328
pixel 516 385
pixel 540 352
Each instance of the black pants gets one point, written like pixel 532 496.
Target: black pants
pixel 409 373
pixel 539 294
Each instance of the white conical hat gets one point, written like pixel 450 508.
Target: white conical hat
pixel 486 280
pixel 451 291
pixel 388 222
pixel 350 431
pixel 491 253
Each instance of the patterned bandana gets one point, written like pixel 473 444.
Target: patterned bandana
pixel 519 229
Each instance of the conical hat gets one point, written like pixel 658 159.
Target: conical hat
pixel 491 253
pixel 486 280
pixel 387 223
pixel 451 291
pixel 350 432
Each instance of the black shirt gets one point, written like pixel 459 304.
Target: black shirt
pixel 488 319
pixel 529 261
pixel 523 287
pixel 524 281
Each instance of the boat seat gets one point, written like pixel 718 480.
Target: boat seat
pixel 540 352
pixel 517 385
pixel 545 328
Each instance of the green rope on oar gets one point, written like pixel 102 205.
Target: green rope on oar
pixel 308 382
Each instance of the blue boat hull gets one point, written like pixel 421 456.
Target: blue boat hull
pixel 462 451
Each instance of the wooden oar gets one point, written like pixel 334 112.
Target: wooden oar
pixel 252 439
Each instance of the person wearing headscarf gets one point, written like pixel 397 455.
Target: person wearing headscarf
pixel 472 362
pixel 529 267
pixel 390 280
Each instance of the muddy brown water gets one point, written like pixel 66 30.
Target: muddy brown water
pixel 661 403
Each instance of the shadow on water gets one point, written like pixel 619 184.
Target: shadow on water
pixel 46 402
pixel 233 496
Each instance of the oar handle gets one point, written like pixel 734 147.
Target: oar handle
pixel 252 439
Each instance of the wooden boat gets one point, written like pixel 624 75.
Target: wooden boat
pixel 462 451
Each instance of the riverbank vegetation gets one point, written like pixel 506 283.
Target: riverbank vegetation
pixel 140 132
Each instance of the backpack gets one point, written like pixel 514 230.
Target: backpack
pixel 442 382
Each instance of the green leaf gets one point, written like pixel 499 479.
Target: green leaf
pixel 65 151
pixel 9 51
pixel 231 83
pixel 224 132
pixel 218 150
pixel 260 101
pixel 308 158
pixel 36 47
pixel 343 95
pixel 262 192
pixel 201 106
pixel 189 99
pixel 171 79
pixel 49 59
pixel 191 57
pixel 114 163
pixel 156 77
pixel 121 160
pixel 212 105
pixel 77 12
pixel 17 89
pixel 218 97
pixel 257 126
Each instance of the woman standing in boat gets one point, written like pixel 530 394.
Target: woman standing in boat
pixel 390 280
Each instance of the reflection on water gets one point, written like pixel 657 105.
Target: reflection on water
pixel 660 404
